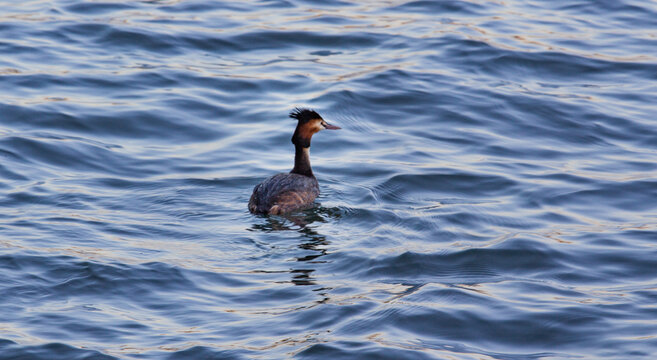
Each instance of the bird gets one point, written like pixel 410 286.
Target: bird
pixel 288 192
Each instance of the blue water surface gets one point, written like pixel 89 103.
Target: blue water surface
pixel 492 194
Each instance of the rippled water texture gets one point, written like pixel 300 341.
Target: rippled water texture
pixel 492 194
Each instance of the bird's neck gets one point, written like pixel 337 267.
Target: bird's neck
pixel 302 161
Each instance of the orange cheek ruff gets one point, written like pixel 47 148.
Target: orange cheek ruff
pixel 309 130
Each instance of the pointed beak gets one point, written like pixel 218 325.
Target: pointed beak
pixel 331 127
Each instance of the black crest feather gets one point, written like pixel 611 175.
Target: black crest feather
pixel 304 115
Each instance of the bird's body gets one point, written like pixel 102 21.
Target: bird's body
pixel 296 190
pixel 283 193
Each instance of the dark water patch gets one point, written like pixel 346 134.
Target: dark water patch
pixel 538 65
pixel 64 201
pixel 627 12
pixel 618 128
pixel 366 350
pixel 423 6
pixel 82 30
pixel 552 329
pixel 140 39
pixel 633 195
pixel 87 278
pixel 557 218
pixel 471 263
pixel 449 183
pixel 9 174
pixel 48 153
pixel 227 85
pixel 202 6
pixel 291 39
pixel 333 20
pixel 52 351
pixel 467 218
pixel 125 125
pixel 202 352
pixel 217 45
pixel 25 53
pixel 92 84
pixel 97 8
pixel 329 3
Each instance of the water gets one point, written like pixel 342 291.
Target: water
pixel 492 195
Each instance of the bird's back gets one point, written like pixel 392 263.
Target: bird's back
pixel 283 193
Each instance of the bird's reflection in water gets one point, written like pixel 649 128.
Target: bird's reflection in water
pixel 311 239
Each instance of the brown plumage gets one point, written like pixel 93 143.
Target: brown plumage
pixel 296 190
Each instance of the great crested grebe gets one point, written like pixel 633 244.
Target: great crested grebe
pixel 284 193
